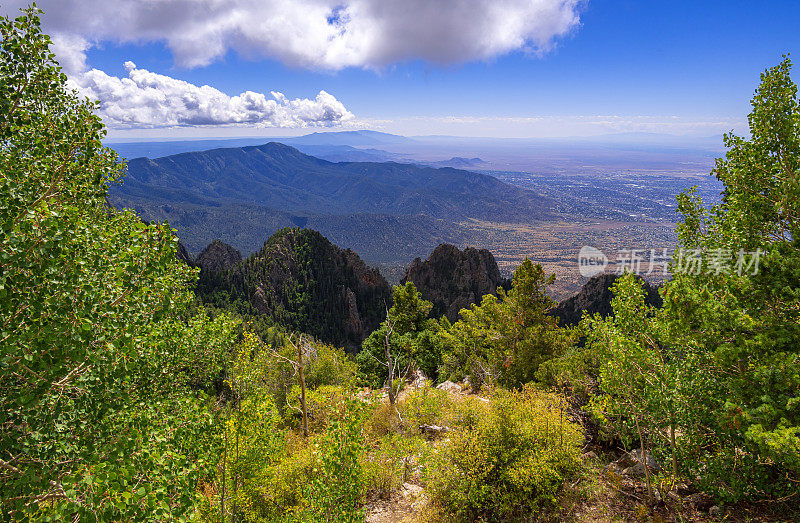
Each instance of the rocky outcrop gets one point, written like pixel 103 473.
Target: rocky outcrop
pixel 449 386
pixel 218 257
pixel 595 297
pixel 307 284
pixel 633 464
pixel 353 317
pixel 452 279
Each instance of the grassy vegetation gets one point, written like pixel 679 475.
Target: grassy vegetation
pixel 504 454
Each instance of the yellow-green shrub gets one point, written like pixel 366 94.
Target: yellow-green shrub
pixel 281 492
pixel 320 406
pixel 391 462
pixel 382 421
pixel 426 406
pixel 511 462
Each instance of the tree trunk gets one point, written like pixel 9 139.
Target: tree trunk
pixel 224 478
pixel 644 461
pixel 302 387
pixel 674 448
pixel 391 378
pixel 390 365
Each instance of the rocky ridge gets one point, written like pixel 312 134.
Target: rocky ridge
pixel 303 282
pixel 595 297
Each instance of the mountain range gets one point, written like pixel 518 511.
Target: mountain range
pixel 356 143
pixel 388 211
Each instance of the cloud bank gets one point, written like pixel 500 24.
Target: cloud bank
pixel 318 34
pixel 147 99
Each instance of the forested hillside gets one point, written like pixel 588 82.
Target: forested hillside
pixel 301 281
pixel 136 387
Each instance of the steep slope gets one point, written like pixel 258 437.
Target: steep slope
pixel 345 153
pixel 304 282
pixel 452 279
pixel 183 255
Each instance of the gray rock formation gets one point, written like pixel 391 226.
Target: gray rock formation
pixel 452 279
pixel 183 255
pixel 595 297
pixel 218 257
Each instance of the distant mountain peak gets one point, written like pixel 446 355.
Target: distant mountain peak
pixel 358 138
pixel 358 132
pixel 459 162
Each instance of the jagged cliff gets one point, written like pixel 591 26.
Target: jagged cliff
pixel 452 279
pixel 304 282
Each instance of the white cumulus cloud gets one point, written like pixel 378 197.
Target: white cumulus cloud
pixel 320 34
pixel 147 99
pixel 316 34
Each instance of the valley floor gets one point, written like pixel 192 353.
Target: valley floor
pixel 556 245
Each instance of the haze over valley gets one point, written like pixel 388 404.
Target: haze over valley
pixel 614 191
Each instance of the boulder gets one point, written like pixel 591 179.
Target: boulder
pixel 449 386
pixel 635 457
pixel 636 469
pixel 644 457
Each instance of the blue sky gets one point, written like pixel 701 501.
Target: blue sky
pixel 685 67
